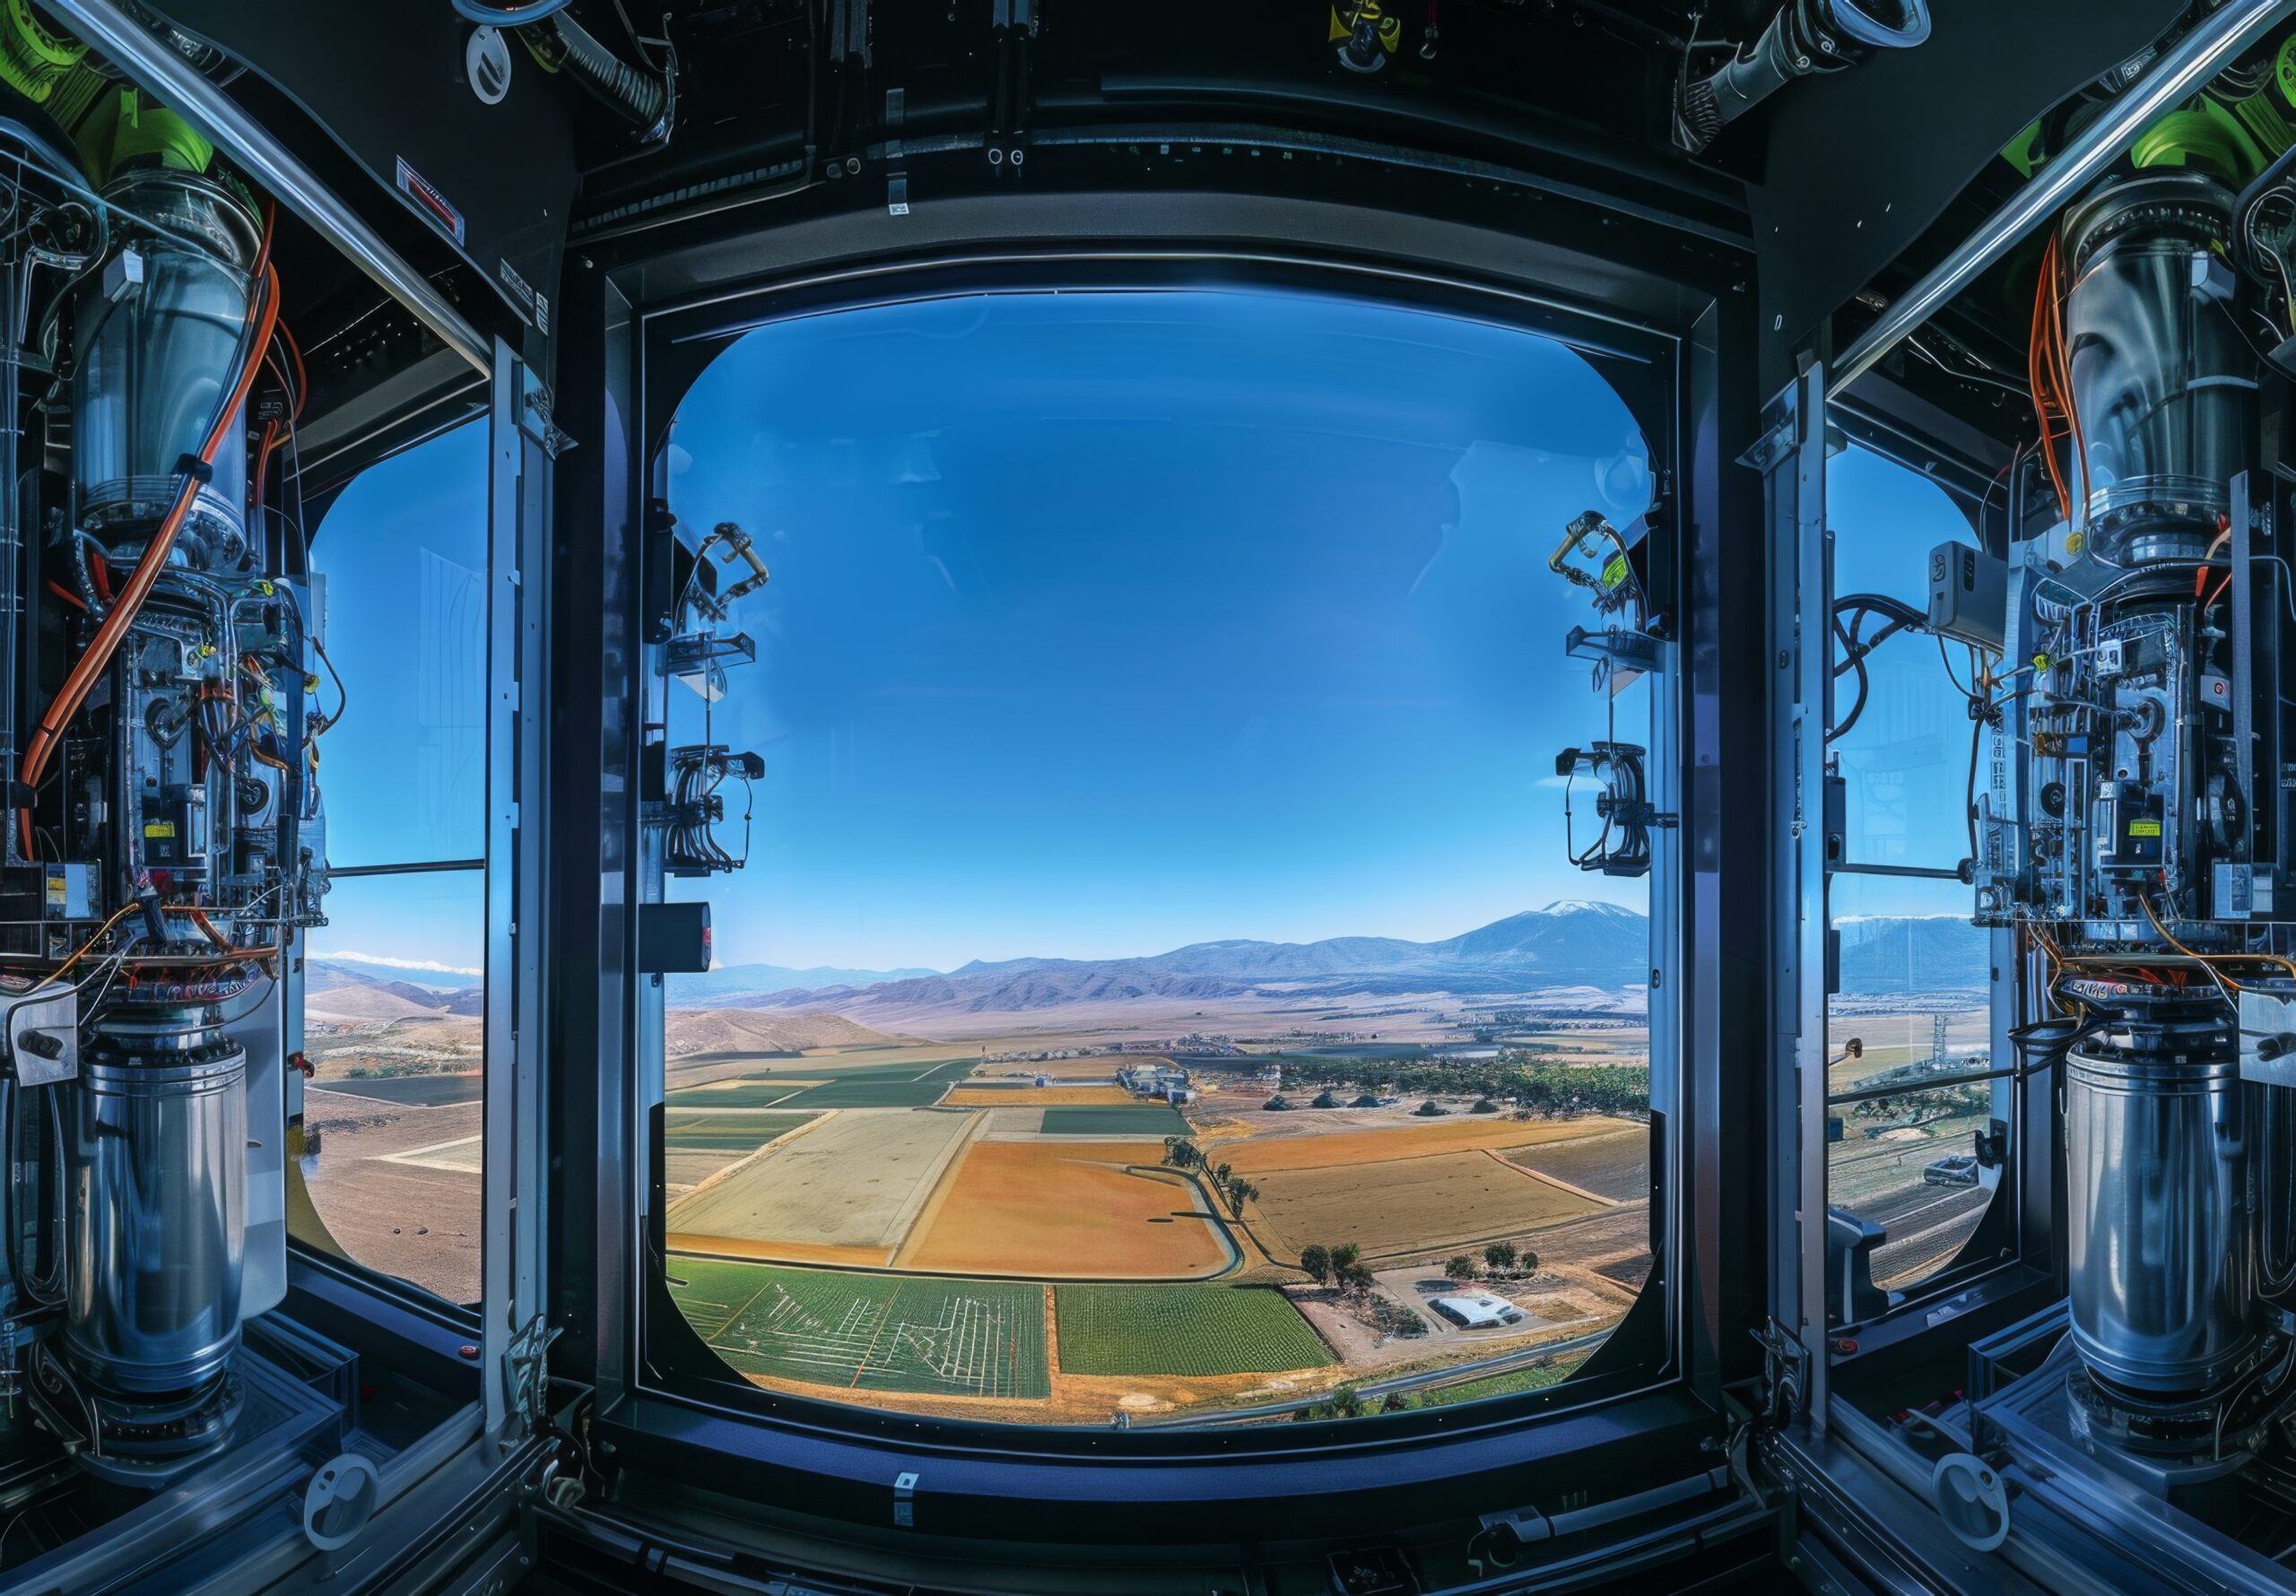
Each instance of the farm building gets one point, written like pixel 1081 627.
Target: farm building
pixel 1481 1311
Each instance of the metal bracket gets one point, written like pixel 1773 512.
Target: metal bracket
pixel 44 1038
pixel 2267 1036
pixel 896 179
pixel 533 416
pixel 1624 655
pixel 525 1374
pixel 1785 1368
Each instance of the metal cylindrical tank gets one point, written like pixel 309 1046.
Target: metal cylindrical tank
pixel 2160 1229
pixel 2164 383
pixel 159 326
pixel 156 1225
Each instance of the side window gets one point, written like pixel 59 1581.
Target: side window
pixel 1909 1019
pixel 393 994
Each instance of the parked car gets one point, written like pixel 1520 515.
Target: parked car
pixel 1959 1170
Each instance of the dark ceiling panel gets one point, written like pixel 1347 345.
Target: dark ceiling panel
pixel 386 78
pixel 1861 161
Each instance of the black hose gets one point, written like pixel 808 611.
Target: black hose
pixel 641 96
pixel 32 1293
pixel 1897 610
pixel 1855 648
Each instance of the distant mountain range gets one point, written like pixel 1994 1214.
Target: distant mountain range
pixel 1569 944
pixel 443 977
pixel 1885 953
pixel 1572 943
pixel 752 980
pixel 359 993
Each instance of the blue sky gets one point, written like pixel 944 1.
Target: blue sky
pixel 402 778
pixel 1905 761
pixel 1104 623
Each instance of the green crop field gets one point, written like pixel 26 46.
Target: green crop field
pixel 868 1332
pixel 1183 1329
pixel 744 1093
pixel 1514 1381
pixel 686 1130
pixel 900 1088
pixel 1147 1119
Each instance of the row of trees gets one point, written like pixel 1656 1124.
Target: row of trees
pixel 1500 1257
pixel 1540 1086
pixel 1181 1153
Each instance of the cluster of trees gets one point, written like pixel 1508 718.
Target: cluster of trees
pixel 1341 1266
pixel 1181 1153
pixel 1923 1107
pixel 1501 1257
pixel 1430 1109
pixel 1540 1086
pixel 1347 1403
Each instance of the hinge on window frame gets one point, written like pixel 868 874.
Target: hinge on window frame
pixel 1785 1372
pixel 526 1372
pixel 535 418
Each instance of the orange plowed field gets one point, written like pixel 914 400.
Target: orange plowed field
pixel 1035 1096
pixel 1064 1211
pixel 779 1251
pixel 1266 1155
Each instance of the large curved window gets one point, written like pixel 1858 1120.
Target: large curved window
pixel 1159 983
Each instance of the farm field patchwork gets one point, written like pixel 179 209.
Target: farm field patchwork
pixel 1183 1329
pixel 856 1181
pixel 1403 1207
pixel 466 1154
pixel 868 1332
pixel 409 1091
pixel 742 1092
pixel 686 1130
pixel 884 1089
pixel 1616 1166
pixel 1052 1209
pixel 695 1146
pixel 1153 1119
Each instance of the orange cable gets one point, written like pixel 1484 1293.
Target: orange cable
pixel 91 665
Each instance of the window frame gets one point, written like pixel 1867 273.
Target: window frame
pixel 2007 1261
pixel 1652 365
pixel 513 736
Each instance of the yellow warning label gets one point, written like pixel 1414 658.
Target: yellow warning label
pixel 167 828
pixel 2145 827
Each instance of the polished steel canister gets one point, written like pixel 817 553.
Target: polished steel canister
pixel 160 323
pixel 157 1211
pixel 2163 381
pixel 2160 1235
